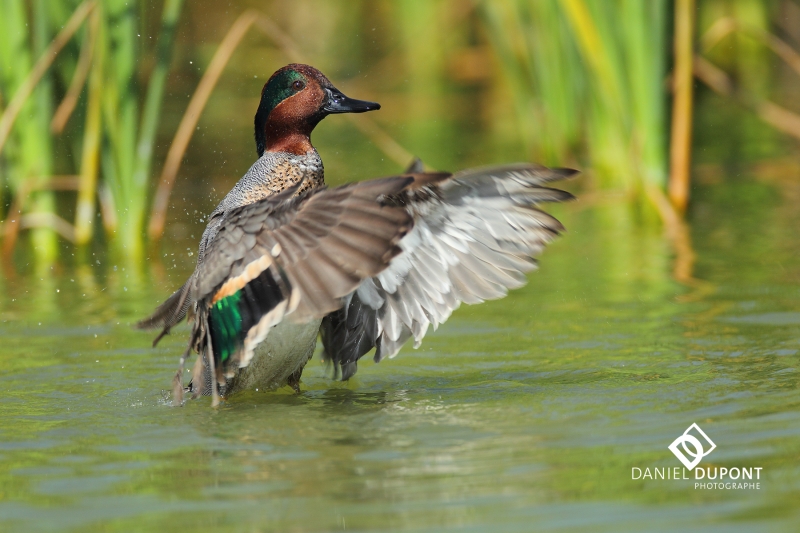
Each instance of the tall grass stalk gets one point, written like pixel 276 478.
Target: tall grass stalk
pixel 90 151
pixel 44 240
pixel 127 156
pixel 151 112
pixel 118 35
pixel 190 117
pixel 681 142
pixel 28 154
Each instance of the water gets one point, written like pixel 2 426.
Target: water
pixel 524 414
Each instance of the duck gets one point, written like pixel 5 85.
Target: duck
pixel 285 260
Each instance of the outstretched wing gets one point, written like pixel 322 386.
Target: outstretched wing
pixel 474 237
pixel 292 257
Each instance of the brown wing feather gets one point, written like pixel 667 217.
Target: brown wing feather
pixel 317 261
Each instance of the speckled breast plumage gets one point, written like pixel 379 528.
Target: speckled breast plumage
pixel 272 173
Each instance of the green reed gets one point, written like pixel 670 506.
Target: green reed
pixel 27 158
pixel 117 116
pixel 588 82
pixel 127 156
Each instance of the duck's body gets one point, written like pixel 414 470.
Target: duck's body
pixel 289 346
pixel 367 265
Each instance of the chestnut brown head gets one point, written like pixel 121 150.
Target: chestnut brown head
pixel 293 101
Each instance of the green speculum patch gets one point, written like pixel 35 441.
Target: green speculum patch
pixel 232 318
pixel 226 326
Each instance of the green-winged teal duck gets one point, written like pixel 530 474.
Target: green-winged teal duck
pixel 366 265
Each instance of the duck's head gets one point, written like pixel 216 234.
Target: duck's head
pixel 293 101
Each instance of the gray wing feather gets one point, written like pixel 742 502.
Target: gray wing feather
pixel 475 236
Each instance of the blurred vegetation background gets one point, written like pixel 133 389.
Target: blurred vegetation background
pixel 123 121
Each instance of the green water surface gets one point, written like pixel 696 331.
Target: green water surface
pixel 518 415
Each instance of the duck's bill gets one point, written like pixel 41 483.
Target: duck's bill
pixel 336 102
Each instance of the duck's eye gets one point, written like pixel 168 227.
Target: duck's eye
pixel 298 85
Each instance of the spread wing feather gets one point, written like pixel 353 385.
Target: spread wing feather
pixel 310 250
pixel 475 236
pixel 286 257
